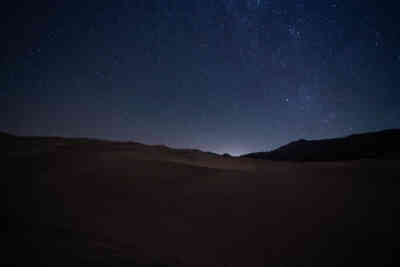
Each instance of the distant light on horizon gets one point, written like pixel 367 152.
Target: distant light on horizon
pixel 236 77
pixel 233 151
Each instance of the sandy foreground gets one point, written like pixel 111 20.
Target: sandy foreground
pixel 94 203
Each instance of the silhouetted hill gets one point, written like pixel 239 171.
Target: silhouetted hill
pixel 6 136
pixel 377 145
pixel 7 141
pixel 87 202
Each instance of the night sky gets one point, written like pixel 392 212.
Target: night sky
pixel 229 76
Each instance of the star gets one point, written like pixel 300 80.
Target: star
pixel 264 54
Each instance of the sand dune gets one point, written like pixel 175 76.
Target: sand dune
pixel 75 202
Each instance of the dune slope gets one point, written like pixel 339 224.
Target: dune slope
pixel 73 202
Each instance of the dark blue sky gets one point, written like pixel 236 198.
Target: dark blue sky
pixel 219 75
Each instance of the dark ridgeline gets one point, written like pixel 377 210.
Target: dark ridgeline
pixel 375 145
pixel 37 229
pixel 66 204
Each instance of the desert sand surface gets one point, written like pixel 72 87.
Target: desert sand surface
pixel 82 202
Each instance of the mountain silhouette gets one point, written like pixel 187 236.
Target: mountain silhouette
pixel 89 202
pixel 375 145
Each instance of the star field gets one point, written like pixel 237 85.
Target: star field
pixel 219 75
